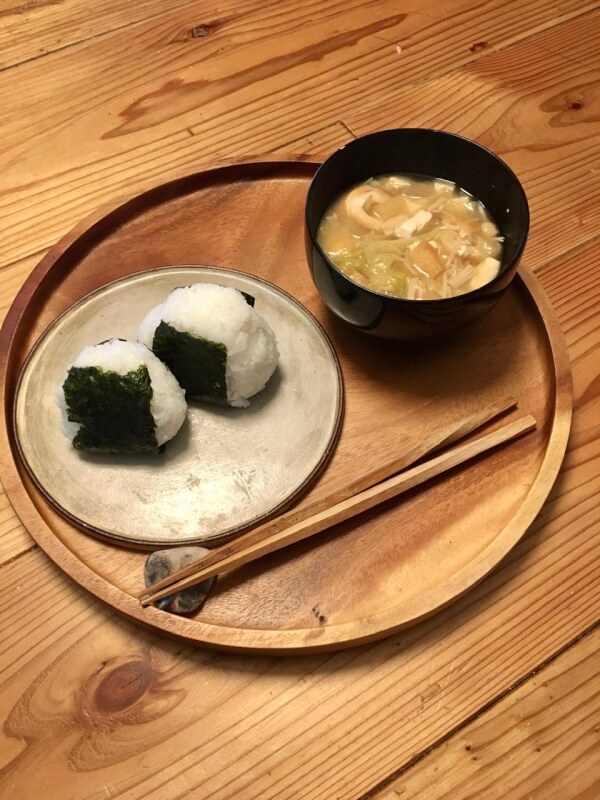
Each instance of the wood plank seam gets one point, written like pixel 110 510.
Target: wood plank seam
pixel 12 560
pixel 348 128
pixel 38 254
pixel 518 39
pixel 291 143
pixel 84 40
pixel 480 712
pixel 66 47
pixel 547 265
pixel 573 62
pixel 188 130
pixel 471 60
pixel 568 58
pixel 539 742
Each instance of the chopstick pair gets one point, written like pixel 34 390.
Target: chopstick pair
pixel 359 495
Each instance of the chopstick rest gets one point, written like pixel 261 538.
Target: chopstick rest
pixel 163 563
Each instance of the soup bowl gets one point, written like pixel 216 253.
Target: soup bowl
pixel 431 154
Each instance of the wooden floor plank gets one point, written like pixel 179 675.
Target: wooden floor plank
pixel 112 711
pixel 123 117
pixel 14 539
pixel 318 144
pixel 539 109
pixel 541 741
pixel 587 52
pixel 12 278
pixel 118 114
pixel 32 30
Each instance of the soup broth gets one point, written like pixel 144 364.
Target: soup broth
pixel 421 239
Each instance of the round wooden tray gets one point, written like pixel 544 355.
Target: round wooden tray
pixel 372 575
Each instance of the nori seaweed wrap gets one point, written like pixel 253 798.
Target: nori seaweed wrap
pixel 117 397
pixel 216 344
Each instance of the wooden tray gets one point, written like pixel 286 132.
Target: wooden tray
pixel 375 574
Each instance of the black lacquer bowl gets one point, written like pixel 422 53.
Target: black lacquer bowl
pixel 431 153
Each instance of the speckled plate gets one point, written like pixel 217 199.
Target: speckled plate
pixel 228 468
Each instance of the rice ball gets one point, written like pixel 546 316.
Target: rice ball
pixel 118 397
pixel 213 340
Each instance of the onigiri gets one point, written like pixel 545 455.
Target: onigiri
pixel 214 341
pixel 118 397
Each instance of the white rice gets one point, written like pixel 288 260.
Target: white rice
pixel 167 405
pixel 221 314
pixel 149 324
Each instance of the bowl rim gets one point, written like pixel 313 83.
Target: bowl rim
pixel 504 268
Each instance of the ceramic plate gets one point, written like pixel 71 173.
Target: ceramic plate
pixel 228 468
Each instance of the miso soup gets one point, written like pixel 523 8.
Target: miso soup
pixel 421 239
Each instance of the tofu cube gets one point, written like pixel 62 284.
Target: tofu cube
pixel 414 224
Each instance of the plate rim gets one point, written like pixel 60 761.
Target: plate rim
pixel 231 533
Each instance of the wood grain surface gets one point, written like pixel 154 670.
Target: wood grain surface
pixel 94 707
pixel 167 104
pixel 541 740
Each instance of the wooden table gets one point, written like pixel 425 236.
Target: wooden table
pixel 498 696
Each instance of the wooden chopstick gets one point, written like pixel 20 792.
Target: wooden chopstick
pixel 392 487
pixel 441 437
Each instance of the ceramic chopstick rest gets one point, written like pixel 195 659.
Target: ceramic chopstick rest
pixel 163 563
